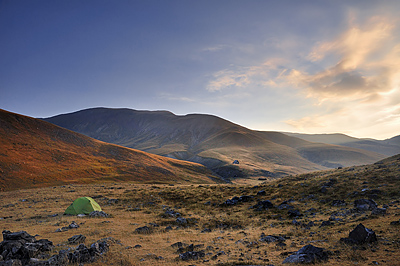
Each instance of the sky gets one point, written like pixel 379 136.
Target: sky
pixel 298 66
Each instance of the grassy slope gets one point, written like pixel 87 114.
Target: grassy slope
pixel 37 153
pixel 235 230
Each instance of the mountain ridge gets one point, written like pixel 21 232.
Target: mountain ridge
pixel 212 141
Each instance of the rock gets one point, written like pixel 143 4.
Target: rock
pixel 395 222
pixel 271 238
pixel 261 193
pixel 11 263
pixel 77 239
pixel 235 200
pixel 181 221
pixel 235 162
pixel 360 235
pixel 98 214
pixel 179 245
pixel 20 248
pixel 61 259
pixel 143 230
pixel 263 205
pixel 168 228
pixel 206 230
pixel 294 213
pixel 80 255
pixel 170 213
pixel 378 211
pixel 326 223
pixel 112 201
pixel 308 254
pixel 191 255
pixel 338 203
pixel 73 225
pixel 365 205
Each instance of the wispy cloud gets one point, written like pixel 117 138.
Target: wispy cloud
pixel 354 79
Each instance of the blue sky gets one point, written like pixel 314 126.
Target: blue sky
pixel 300 66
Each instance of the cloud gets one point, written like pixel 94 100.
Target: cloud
pixel 171 97
pixel 353 80
pixel 264 74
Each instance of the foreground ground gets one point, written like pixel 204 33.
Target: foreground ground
pixel 229 232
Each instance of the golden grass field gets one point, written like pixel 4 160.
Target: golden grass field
pixel 235 230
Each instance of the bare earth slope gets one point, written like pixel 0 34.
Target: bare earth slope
pixel 211 141
pixel 35 153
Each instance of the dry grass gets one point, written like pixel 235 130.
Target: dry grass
pixel 235 230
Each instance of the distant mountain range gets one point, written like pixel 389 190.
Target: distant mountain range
pixel 388 147
pixel 35 153
pixel 215 142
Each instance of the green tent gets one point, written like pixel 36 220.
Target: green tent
pixel 84 205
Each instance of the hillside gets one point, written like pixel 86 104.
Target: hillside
pixel 35 153
pixel 211 141
pixel 224 224
pixel 387 147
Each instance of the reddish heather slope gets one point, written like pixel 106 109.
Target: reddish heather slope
pixel 35 153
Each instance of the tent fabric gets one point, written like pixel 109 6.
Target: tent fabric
pixel 84 205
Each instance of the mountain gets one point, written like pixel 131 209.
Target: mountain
pixel 35 153
pixel 387 147
pixel 211 141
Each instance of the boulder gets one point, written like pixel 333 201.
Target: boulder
pixel 308 254
pixel 360 235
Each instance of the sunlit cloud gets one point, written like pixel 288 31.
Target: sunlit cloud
pixel 353 79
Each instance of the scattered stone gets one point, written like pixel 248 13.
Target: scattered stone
pixel 235 200
pixel 77 239
pixel 263 205
pixel 143 230
pixel 98 214
pixel 112 201
pixel 271 238
pixel 294 213
pixel 170 213
pixel 365 205
pixel 338 203
pixel 378 211
pixel 179 245
pixel 168 228
pixel 192 255
pixel 261 193
pixel 181 221
pixel 360 235
pixel 308 254
pixel 326 223
pixel 206 230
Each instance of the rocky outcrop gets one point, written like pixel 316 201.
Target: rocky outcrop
pixel 20 249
